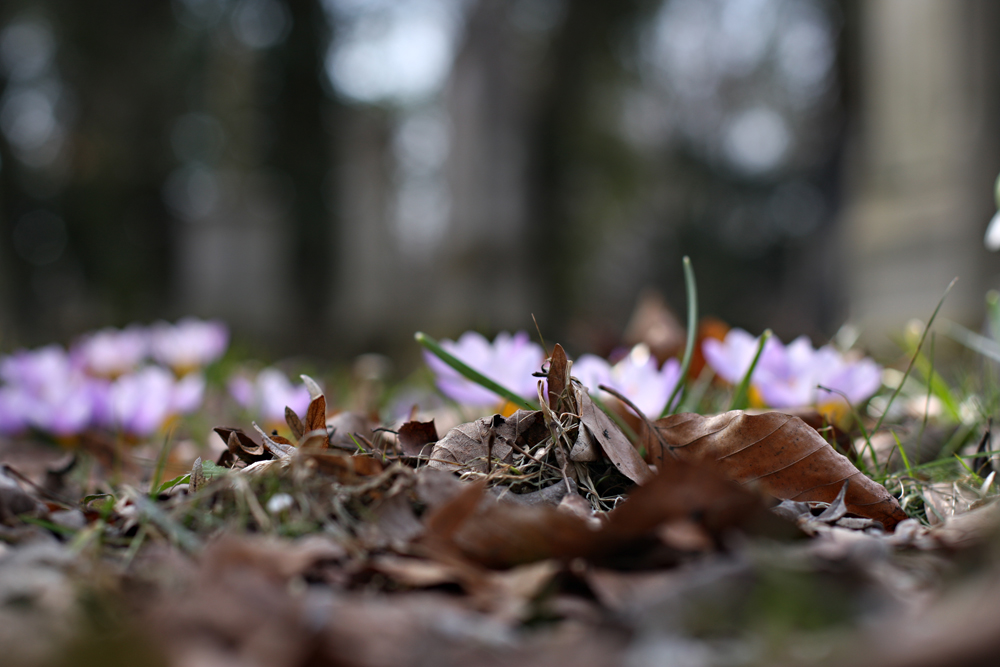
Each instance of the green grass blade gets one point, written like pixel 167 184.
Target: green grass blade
pixel 435 348
pixel 902 454
pixel 692 337
pixel 936 384
pixel 861 426
pixel 927 403
pixel 913 359
pixel 741 398
pixel 161 464
pixel 968 469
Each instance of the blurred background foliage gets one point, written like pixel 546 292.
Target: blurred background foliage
pixel 330 175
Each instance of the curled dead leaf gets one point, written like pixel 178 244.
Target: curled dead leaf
pixel 415 437
pixel 781 455
pixel 471 445
pixel 241 446
pixel 603 430
pixel 501 535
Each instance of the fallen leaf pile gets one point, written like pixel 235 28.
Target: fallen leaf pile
pixel 540 538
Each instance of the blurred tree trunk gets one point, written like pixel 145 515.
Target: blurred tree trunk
pixel 571 149
pixel 302 150
pixel 107 184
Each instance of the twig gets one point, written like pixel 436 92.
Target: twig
pixel 644 418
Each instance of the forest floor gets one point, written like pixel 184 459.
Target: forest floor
pixel 537 537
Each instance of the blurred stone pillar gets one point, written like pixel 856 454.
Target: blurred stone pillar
pixel 922 159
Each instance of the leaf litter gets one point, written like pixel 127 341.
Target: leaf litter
pixel 543 537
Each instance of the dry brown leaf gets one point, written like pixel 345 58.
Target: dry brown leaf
pixel 603 430
pixel 624 591
pixel 392 524
pixel 448 517
pixel 242 446
pixel 558 375
pixel 294 423
pixel 781 455
pixel 414 437
pixel 278 446
pixel 503 535
pixel 969 528
pixel 345 468
pixel 415 572
pixel 437 487
pixel 468 446
pixel 316 414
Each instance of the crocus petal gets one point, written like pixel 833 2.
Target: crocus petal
pixel 37 370
pixel 141 401
pixel 111 352
pixel 858 381
pixel 592 371
pixel 267 395
pixel 730 358
pixel 274 391
pixel 788 376
pixel 188 394
pixel 241 389
pixel 635 377
pixel 13 410
pixel 189 344
pixel 508 361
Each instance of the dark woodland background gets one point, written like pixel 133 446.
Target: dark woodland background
pixel 329 176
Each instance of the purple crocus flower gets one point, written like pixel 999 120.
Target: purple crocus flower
pixel 13 410
pixel 45 390
pixel 111 352
pixel 509 361
pixel 268 394
pixel 36 369
pixel 789 376
pixel 857 379
pixel 188 394
pixel 636 377
pixel 141 402
pixel 189 344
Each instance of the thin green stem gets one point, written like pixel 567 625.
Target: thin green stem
pixel 902 454
pixel 927 403
pixel 435 348
pixel 913 359
pixel 857 418
pixel 741 397
pixel 161 463
pixel 692 334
